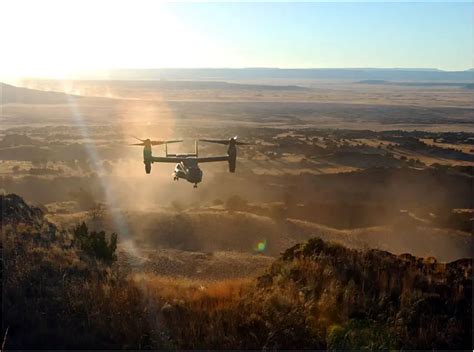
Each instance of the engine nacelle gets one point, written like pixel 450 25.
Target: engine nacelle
pixel 147 167
pixel 232 164
pixel 147 156
pixel 232 154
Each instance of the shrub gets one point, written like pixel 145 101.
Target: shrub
pixel 95 243
pixel 360 335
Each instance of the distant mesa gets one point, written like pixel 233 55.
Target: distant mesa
pixel 417 84
pixel 195 85
pixel 347 74
pixel 373 81
pixel 165 84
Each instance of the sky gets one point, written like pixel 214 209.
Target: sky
pixel 56 38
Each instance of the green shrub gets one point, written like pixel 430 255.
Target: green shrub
pixel 360 334
pixel 95 243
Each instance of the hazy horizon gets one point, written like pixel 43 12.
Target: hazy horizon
pixel 58 39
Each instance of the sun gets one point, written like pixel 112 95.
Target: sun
pixel 54 38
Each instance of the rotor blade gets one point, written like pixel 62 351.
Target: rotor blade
pixel 141 140
pixel 142 144
pixel 217 141
pixel 243 143
pixel 164 142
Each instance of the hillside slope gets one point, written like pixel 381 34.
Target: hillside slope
pixel 317 295
pixel 11 94
pixel 370 297
pixel 205 230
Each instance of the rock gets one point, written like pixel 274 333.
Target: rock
pixel 14 210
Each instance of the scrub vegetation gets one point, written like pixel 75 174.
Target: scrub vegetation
pixel 58 293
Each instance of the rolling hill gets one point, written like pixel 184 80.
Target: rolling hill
pixel 16 95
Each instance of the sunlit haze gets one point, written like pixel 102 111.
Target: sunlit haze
pixel 58 38
pixel 236 175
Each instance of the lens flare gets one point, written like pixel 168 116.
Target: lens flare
pixel 260 246
pixel 111 200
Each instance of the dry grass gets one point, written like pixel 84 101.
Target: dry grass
pixel 58 297
pixel 313 297
pixel 318 295
pixel 173 288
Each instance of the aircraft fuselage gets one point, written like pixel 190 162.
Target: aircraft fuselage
pixel 187 167
pixel 188 170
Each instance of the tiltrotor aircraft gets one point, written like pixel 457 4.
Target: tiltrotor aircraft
pixel 187 165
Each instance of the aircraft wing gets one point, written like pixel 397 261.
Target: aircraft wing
pixel 164 159
pixel 210 159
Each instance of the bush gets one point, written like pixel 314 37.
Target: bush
pixel 95 244
pixel 360 335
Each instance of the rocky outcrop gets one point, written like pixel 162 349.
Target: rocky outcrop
pixel 14 210
pixel 420 302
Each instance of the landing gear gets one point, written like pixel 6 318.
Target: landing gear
pixel 176 178
pixel 195 185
